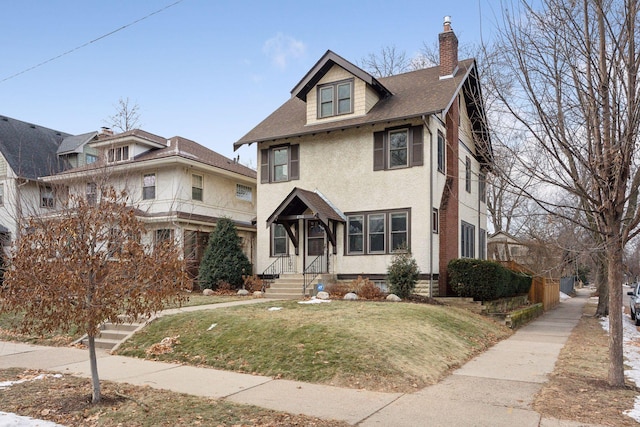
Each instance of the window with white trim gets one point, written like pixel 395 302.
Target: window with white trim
pixel 398 140
pixel 441 153
pixel 149 186
pixel 92 193
pixel 435 221
pixel 355 227
pixel 118 154
pixel 482 247
pixel 467 175
pixel 90 158
pixel 47 197
pixel 482 187
pixel 196 187
pixel 244 192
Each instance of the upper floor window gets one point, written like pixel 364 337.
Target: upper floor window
pixel 196 187
pixel 90 158
pixel 280 163
pixel 118 154
pixel 482 247
pixel 435 220
pixel 482 187
pixel 335 99
pixel 243 192
pixel 46 197
pixel 467 175
pixel 467 240
pixel 149 186
pixel 441 153
pixel 398 148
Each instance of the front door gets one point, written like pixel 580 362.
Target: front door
pixel 316 244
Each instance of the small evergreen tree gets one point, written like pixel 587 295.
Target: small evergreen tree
pixel 402 274
pixel 223 260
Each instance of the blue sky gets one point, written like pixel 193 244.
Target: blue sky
pixel 201 69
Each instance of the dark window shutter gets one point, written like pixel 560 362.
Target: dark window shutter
pixel 264 165
pixel 417 146
pixel 378 151
pixel 294 162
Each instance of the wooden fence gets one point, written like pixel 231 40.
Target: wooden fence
pixel 544 290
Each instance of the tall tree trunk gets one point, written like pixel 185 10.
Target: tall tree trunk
pixel 614 275
pixel 95 380
pixel 603 286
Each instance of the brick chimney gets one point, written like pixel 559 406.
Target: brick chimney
pixel 448 50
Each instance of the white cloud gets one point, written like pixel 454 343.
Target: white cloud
pixel 281 48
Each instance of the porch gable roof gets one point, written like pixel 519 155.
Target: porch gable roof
pixel 299 200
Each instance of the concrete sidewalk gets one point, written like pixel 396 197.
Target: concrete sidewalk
pixel 494 389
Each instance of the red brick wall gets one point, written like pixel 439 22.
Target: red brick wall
pixel 449 230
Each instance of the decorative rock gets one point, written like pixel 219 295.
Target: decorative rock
pixel 393 297
pixel 258 294
pixel 322 295
pixel 351 296
pixel 207 292
pixel 243 292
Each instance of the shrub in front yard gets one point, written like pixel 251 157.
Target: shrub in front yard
pixel 402 274
pixel 223 260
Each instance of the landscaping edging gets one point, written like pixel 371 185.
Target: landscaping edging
pixel 519 317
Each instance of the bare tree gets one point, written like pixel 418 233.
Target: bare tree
pixel 388 62
pixel 574 67
pixel 87 264
pixel 127 116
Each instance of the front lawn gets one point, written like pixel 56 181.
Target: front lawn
pixel 374 345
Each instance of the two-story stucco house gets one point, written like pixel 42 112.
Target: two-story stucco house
pixel 179 187
pixel 353 168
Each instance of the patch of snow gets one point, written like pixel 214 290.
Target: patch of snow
pixel 13 420
pixel 314 301
pixel 564 296
pixel 213 325
pixel 274 308
pixel 6 384
pixel 630 346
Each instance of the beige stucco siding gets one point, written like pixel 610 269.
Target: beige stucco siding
pixel 340 166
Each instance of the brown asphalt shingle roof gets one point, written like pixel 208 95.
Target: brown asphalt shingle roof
pixel 413 94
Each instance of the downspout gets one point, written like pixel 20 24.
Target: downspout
pixel 430 213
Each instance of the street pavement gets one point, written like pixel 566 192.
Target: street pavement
pixel 495 389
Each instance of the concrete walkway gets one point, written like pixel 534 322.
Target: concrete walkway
pixel 494 389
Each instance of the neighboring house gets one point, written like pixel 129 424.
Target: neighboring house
pixel 179 187
pixel 502 246
pixel 353 168
pixel 27 152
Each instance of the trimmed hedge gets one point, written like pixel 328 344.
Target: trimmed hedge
pixel 485 280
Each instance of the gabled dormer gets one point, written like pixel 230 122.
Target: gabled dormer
pixel 336 89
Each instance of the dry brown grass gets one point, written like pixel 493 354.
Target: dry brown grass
pixel 66 401
pixel 578 389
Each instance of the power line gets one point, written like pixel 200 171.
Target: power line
pixel 90 42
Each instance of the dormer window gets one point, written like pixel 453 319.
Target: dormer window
pixel 118 154
pixel 335 99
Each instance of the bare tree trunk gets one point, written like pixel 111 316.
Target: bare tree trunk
pixel 95 380
pixel 603 286
pixel 614 274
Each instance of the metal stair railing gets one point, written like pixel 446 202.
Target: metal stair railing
pixel 282 264
pixel 316 267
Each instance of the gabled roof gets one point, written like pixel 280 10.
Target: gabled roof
pixel 328 60
pixel 414 94
pixel 30 150
pixel 299 200
pixel 74 143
